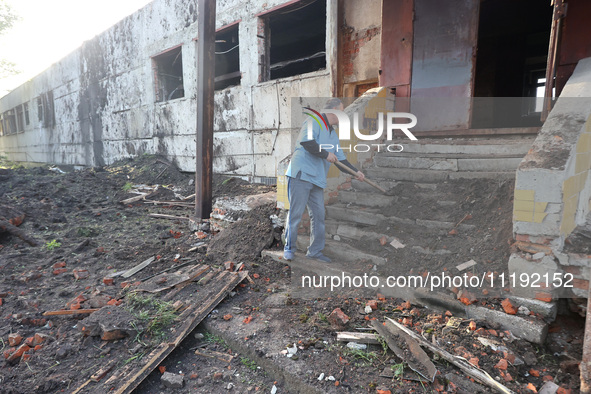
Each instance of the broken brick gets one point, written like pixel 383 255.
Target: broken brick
pixel 81 274
pixel 19 352
pixel 545 297
pixel 39 338
pixel 229 265
pixel 60 271
pixel 338 319
pixel 405 305
pixel 502 364
pixel 383 240
pixel 472 326
pixel 531 387
pixel 114 301
pixel 474 361
pixel 507 376
pixel 227 317
pixel 508 307
pixel 37 348
pixel 534 372
pixel 113 335
pixel 373 304
pixel 61 264
pixel 108 281
pixel 14 339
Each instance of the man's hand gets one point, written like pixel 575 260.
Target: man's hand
pixel 360 176
pixel 331 157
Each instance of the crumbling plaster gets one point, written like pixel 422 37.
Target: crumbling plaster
pixel 104 96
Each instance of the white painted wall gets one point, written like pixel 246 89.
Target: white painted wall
pixel 104 96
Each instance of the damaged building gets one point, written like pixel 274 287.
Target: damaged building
pixel 501 90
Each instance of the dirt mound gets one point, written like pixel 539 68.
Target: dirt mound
pixel 244 239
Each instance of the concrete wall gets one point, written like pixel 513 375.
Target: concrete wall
pixel 104 96
pixel 553 185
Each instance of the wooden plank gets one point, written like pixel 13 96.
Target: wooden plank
pixel 162 216
pixel 476 373
pixel 218 291
pixel 225 357
pixel 138 267
pixel 407 349
pixel 70 312
pixel 359 337
pixel 101 373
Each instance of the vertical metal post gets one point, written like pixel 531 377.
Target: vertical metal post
pixel 585 365
pixel 205 89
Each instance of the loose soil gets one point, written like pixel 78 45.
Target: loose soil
pixel 80 224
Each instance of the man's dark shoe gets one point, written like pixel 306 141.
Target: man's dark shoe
pixel 320 257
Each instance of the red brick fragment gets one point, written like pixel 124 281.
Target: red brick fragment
pixel 508 307
pixel 108 281
pixel 373 304
pixel 14 339
pixel 81 274
pixel 229 265
pixel 338 318
pixel 60 271
pixel 61 264
pixel 502 364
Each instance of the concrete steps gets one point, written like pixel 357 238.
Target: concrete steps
pixel 341 251
pixel 514 147
pixel 455 164
pixel 433 176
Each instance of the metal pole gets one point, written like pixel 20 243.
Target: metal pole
pixel 205 88
pixel 585 365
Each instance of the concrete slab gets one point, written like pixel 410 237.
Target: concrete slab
pixel 496 164
pixel 546 309
pixel 478 147
pixel 367 199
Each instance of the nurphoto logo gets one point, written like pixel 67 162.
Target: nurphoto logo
pixel 391 119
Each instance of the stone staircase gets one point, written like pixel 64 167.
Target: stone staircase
pixel 449 202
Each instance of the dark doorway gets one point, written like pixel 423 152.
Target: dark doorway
pixel 511 59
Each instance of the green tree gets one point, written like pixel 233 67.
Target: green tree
pixel 7 20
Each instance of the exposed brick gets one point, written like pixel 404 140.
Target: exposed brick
pixel 108 281
pixel 581 284
pixel 14 339
pixel 60 271
pixel 508 307
pixel 338 318
pixel 502 364
pixel 572 270
pixel 61 264
pixel 229 265
pixel 81 274
pixel 113 335
pixel 40 338
pixel 373 304
pixel 18 353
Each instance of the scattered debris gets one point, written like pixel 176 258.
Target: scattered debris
pixel 466 265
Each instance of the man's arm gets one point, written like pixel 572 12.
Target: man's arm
pixel 314 149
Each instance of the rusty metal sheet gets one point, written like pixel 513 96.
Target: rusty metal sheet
pixel 397 42
pixel 445 40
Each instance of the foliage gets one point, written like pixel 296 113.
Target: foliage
pixel 248 363
pixel 53 245
pixel 7 17
pixel 127 187
pixel 153 314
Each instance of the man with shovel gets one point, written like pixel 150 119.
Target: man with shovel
pixel 306 174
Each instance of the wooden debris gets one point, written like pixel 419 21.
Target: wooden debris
pixel 70 312
pixel 163 216
pixel 475 373
pixel 141 196
pixel 10 219
pixel 208 300
pixel 467 264
pixel 188 197
pixel 101 373
pixel 138 267
pixel 171 203
pixel 225 357
pixel 359 337
pixel 79 389
pixel 406 348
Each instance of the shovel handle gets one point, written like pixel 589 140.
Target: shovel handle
pixel 350 171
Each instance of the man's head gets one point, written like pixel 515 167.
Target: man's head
pixel 333 103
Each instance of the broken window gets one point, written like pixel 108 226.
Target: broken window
pixel 227 58
pixel 168 75
pixel 27 119
pixel 9 124
pixel 20 120
pixel 292 40
pixel 40 109
pixel 48 110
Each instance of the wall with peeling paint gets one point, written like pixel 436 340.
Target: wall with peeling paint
pixel 104 96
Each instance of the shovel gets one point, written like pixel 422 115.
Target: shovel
pixel 350 171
